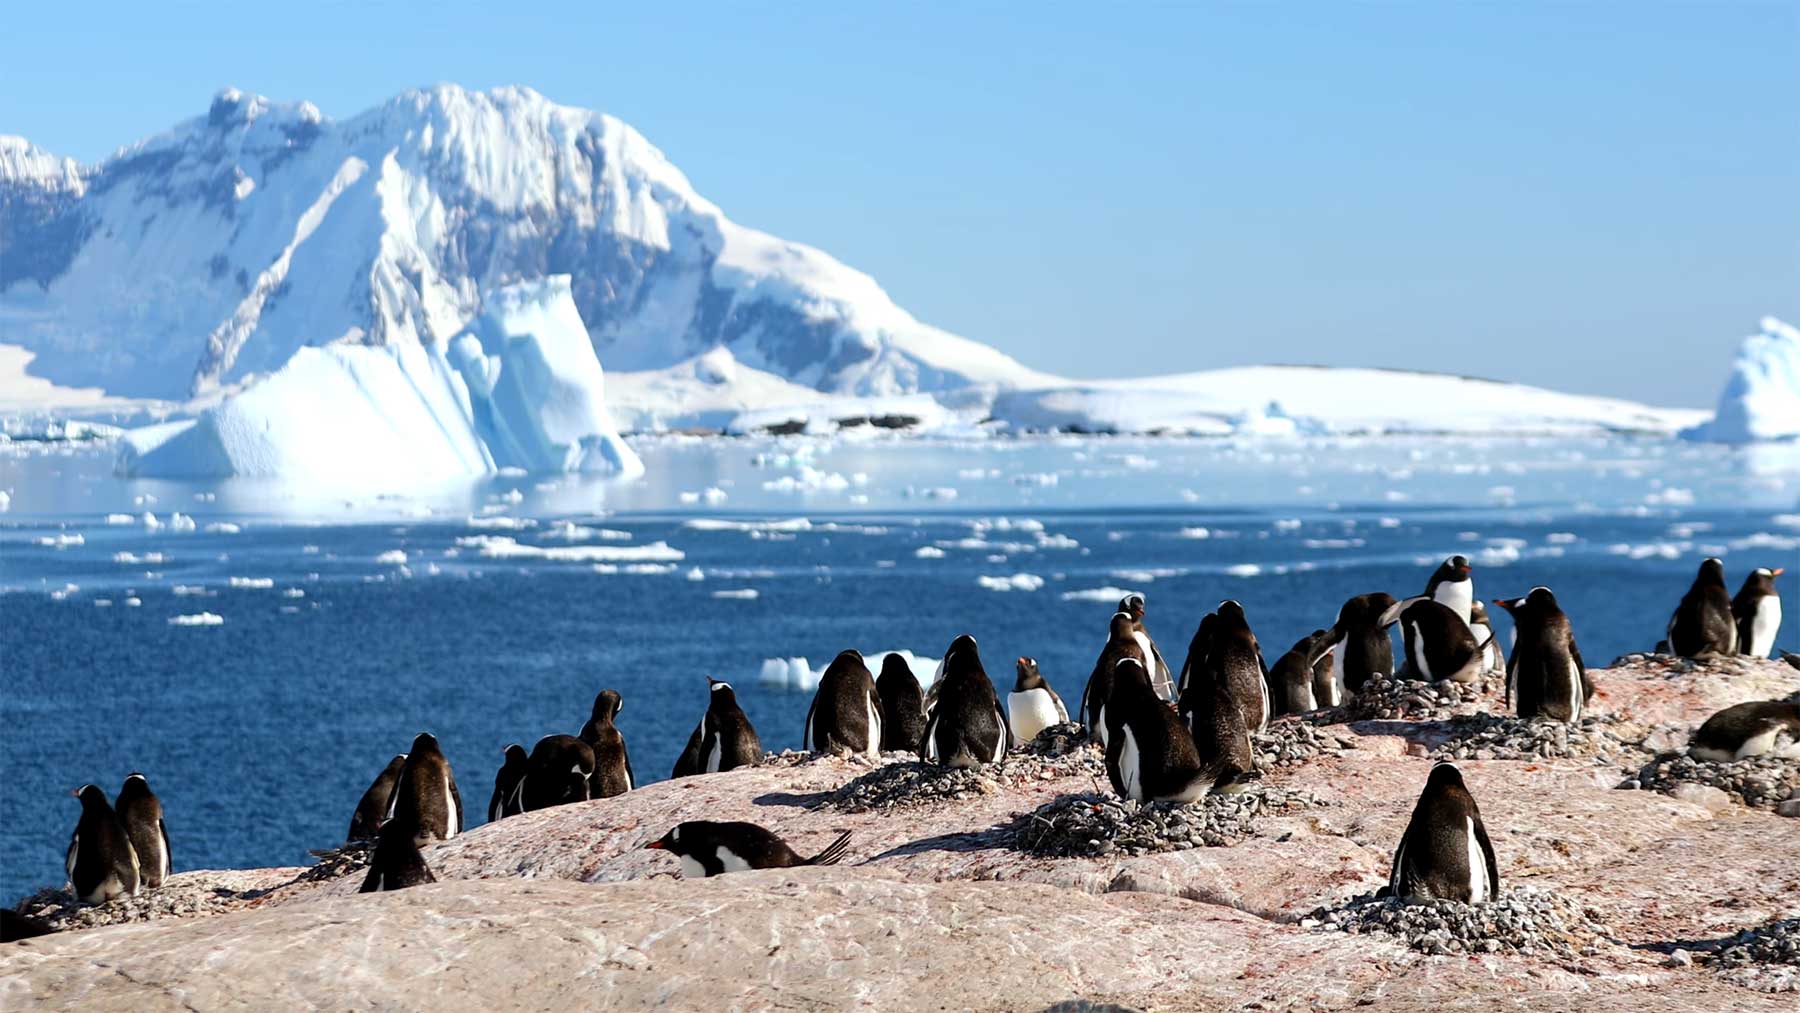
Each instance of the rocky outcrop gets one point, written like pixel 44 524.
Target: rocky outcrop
pixel 944 903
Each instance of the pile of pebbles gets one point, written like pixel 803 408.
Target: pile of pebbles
pixel 1766 958
pixel 1096 826
pixel 174 899
pixel 1291 742
pixel 1391 699
pixel 1526 921
pixel 1761 782
pixel 907 784
pixel 1605 739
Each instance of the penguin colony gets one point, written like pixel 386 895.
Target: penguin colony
pixel 1165 738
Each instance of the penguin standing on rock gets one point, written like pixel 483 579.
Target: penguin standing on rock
pixel 845 716
pixel 101 863
pixel 1214 720
pixel 1122 644
pixel 557 773
pixel 1293 682
pixel 1452 587
pixel 1360 648
pixel 1546 677
pixel 142 813
pixel 1225 652
pixel 706 848
pixel 1445 853
pixel 966 727
pixel 1703 625
pixel 376 802
pixel 1439 643
pixel 724 739
pixel 1757 611
pixel 397 863
pixel 1032 706
pixel 426 794
pixel 506 800
pixel 1757 728
pixel 1161 681
pixel 1150 757
pixel 902 705
pixel 1493 659
pixel 612 765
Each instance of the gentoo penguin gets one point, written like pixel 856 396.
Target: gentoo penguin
pixel 1122 644
pixel 1032 706
pixel 427 793
pixel 845 716
pixel 902 705
pixel 376 802
pixel 1439 644
pixel 1325 675
pixel 101 863
pixel 966 727
pixel 1757 610
pixel 557 773
pixel 1545 677
pixel 1451 587
pixel 142 813
pixel 1360 648
pixel 1235 659
pixel 506 800
pixel 1702 624
pixel 1293 682
pixel 1493 659
pixel 397 863
pixel 725 739
pixel 1160 679
pixel 1150 756
pixel 1214 719
pixel 612 764
pixel 713 849
pixel 1445 854
pixel 1758 728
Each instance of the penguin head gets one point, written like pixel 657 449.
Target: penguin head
pixel 515 755
pixel 963 656
pixel 894 666
pixel 1712 571
pixel 671 841
pixel 1122 625
pixel 1133 606
pixel 1763 579
pixel 1130 671
pixel 1511 605
pixel 607 705
pixel 424 742
pixel 1028 677
pixel 1444 775
pixel 719 694
pixel 1541 598
pixel 1232 610
pixel 90 795
pixel 848 661
pixel 1453 569
pixel 135 784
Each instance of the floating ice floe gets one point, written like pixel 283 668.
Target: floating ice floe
pixel 222 528
pixel 1243 570
pixel 720 524
pixel 253 583
pixel 796 674
pixel 120 520
pixel 503 547
pixel 569 531
pixel 133 559
pixel 198 619
pixel 929 552
pixel 392 557
pixel 179 521
pixel 738 594
pixel 501 522
pixel 1110 594
pixel 61 540
pixel 1016 582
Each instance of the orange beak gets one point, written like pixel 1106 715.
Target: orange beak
pixel 655 846
pixel 1778 571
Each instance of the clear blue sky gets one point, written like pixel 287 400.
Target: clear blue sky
pixel 1596 197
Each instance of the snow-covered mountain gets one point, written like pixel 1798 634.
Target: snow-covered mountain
pixel 1761 399
pixel 206 255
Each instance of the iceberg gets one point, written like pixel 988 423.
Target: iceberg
pixel 1761 400
pixel 521 388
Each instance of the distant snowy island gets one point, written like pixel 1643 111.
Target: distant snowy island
pixel 436 283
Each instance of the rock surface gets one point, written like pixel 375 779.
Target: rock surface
pixel 936 905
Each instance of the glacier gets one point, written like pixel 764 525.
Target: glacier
pixel 1761 400
pixel 520 388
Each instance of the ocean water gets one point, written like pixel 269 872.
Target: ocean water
pixel 353 620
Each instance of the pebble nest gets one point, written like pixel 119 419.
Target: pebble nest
pixel 1290 742
pixel 1526 921
pixel 1761 782
pixel 1604 738
pixel 63 913
pixel 1409 700
pixel 1766 958
pixel 1058 752
pixel 1096 826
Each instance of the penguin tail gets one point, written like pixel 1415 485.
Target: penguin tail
pixel 833 852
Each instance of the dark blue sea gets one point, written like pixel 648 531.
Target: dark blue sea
pixel 493 613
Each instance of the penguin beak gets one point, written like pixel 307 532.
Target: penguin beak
pixel 656 846
pixel 74 792
pixel 1778 571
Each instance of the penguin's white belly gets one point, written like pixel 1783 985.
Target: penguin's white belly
pixel 1029 713
pixel 729 861
pixel 1573 675
pixel 931 750
pixel 1480 890
pixel 715 755
pixel 874 709
pixel 1458 596
pixel 1130 766
pixel 451 816
pixel 1100 727
pixel 1764 627
pixel 1338 650
pixel 1418 652
pixel 691 868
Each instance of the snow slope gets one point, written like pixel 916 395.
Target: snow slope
pixel 1761 400
pixel 205 255
pixel 520 389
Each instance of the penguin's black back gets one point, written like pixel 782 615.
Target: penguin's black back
pixel 558 772
pixel 1119 646
pixel 506 800
pixel 1432 630
pixel 612 764
pixel 397 863
pixel 141 812
pixel 427 792
pixel 1215 722
pixel 365 825
pixel 846 712
pixel 1168 761
pixel 1703 623
pixel 101 863
pixel 902 705
pixel 1367 649
pixel 1721 736
pixel 728 729
pixel 1546 674
pixel 1432 860
pixel 966 726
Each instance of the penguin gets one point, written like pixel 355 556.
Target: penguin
pixel 612 764
pixel 426 794
pixel 966 727
pixel 1493 659
pixel 1150 755
pixel 725 739
pixel 506 801
pixel 1758 728
pixel 1360 648
pixel 1123 643
pixel 1133 605
pixel 1451 587
pixel 1546 677
pixel 101 863
pixel 557 773
pixel 15 926
pixel 142 813
pixel 397 863
pixel 1440 644
pixel 706 848
pixel 1214 719
pixel 689 762
pixel 1234 659
pixel 1325 676
pixel 1293 682
pixel 376 802
pixel 1702 624
pixel 1032 706
pixel 902 705
pixel 845 716
pixel 1444 853
pixel 1757 611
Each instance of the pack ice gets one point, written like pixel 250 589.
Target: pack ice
pixel 520 388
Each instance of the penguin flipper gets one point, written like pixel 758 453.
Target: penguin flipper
pixel 168 856
pixel 1392 615
pixel 1165 683
pixel 806 743
pixel 625 758
pixel 69 859
pixel 1062 713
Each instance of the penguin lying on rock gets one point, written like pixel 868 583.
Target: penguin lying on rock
pixel 1757 728
pixel 712 849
